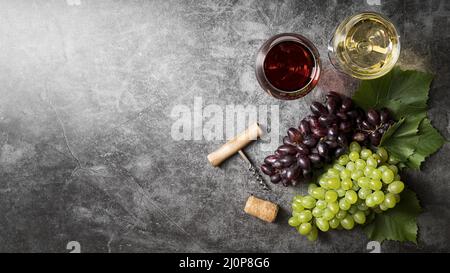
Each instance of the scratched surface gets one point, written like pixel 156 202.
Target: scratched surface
pixel 86 91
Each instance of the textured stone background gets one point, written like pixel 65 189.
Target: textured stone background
pixel 86 90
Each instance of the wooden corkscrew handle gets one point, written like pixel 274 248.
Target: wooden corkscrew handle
pixel 235 144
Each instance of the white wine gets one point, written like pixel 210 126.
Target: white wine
pixel 365 46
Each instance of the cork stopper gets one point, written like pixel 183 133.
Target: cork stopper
pixel 261 209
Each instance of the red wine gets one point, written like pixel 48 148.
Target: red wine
pixel 289 66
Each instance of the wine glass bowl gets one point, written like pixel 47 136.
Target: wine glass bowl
pixel 287 66
pixel 364 46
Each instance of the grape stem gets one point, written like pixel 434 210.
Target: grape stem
pixel 374 130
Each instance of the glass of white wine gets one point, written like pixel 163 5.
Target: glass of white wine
pixel 365 46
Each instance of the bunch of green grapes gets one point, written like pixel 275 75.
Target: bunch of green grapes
pixel 354 186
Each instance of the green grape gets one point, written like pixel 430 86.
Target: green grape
pixel 323 183
pixel 318 193
pixel 355 147
pixel 359 217
pixel 353 156
pixel 369 201
pixel 376 174
pixel 305 228
pixel 334 223
pixel 338 167
pixel 334 183
pixel 343 160
pixel 353 209
pixel 325 176
pixel 378 197
pixel 311 187
pixel 364 182
pixel 297 198
pixel 341 214
pixel 388 176
pixel 346 184
pixel 397 177
pixel 341 192
pixel 345 174
pixel 382 168
pixel 296 206
pixel 333 207
pixel 351 196
pixel 316 212
pixel 308 202
pixel 331 196
pixel 348 222
pixel 344 204
pixel 377 209
pixel 357 174
pixel 383 154
pixel 366 153
pixel 294 221
pixel 389 200
pixel 321 204
pixel 368 171
pixel 375 185
pixel 312 236
pixel 377 158
pixel 295 213
pixel 393 160
pixel 364 192
pixel 397 197
pixel 360 164
pixel 383 207
pixel 351 166
pixel 396 187
pixel 363 206
pixel 371 162
pixel 333 173
pixel 305 216
pixel 393 168
pixel 327 214
pixel 322 224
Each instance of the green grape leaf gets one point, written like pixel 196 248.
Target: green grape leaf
pixel 391 130
pixel 402 148
pixel 399 223
pixel 430 140
pixel 401 138
pixel 411 125
pixel 403 92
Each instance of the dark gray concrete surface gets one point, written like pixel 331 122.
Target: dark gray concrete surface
pixel 86 91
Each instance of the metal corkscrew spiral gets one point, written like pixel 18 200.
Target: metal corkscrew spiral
pixel 255 173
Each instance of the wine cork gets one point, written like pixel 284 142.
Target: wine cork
pixel 262 209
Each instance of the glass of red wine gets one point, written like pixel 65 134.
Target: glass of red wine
pixel 288 66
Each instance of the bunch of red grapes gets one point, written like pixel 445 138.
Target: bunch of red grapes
pixel 322 136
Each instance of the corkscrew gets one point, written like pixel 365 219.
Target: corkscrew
pixel 236 145
pixel 255 173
